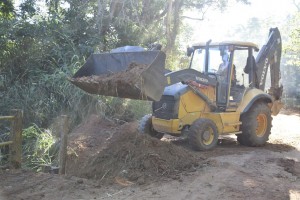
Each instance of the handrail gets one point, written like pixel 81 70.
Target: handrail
pixel 15 141
pixel 6 143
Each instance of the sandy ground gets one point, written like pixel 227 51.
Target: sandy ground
pixel 230 171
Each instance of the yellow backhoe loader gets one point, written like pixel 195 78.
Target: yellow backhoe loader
pixel 221 92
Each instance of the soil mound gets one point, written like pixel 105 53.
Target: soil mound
pixel 290 166
pixel 102 150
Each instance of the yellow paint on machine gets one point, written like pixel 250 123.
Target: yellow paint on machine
pixel 192 103
pixel 166 126
pixel 231 122
pixel 168 80
pixel 250 94
pixel 210 92
pixel 191 108
pixel 226 122
pixel 216 118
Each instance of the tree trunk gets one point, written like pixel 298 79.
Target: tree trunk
pixel 172 24
pixel 169 26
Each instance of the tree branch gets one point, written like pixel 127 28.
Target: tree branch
pixel 297 4
pixel 193 18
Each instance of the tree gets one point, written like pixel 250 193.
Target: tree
pixel 6 9
pixel 291 63
pixel 292 49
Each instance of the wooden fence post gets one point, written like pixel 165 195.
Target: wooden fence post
pixel 63 144
pixel 15 149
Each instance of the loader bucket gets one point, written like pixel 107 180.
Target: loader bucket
pixel 133 75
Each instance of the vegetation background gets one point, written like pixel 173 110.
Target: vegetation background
pixel 43 42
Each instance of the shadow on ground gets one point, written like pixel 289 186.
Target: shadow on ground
pixel 229 145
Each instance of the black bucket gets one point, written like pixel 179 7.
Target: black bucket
pixel 147 83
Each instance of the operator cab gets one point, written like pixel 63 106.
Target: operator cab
pixel 225 62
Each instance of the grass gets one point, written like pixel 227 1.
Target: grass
pixel 39 148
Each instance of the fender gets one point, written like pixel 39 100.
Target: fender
pixel 250 97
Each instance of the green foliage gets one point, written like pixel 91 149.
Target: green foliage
pixel 38 148
pixel 28 8
pixel 4 154
pixel 291 63
pixel 36 58
pixel 6 9
pixel 292 49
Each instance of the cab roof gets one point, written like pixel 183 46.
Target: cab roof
pixel 225 43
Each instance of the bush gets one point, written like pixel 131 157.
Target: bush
pixel 4 151
pixel 39 148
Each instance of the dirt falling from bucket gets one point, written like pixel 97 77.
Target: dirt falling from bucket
pixel 125 84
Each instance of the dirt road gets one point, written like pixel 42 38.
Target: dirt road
pixel 230 171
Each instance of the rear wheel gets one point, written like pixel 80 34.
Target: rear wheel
pixel 145 127
pixel 256 125
pixel 203 134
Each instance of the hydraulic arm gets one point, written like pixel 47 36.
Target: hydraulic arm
pixel 269 57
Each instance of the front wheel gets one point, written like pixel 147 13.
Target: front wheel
pixel 203 134
pixel 145 127
pixel 256 125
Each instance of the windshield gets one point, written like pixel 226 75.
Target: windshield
pixel 198 60
pixel 218 64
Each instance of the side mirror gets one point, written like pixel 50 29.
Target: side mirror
pixel 189 51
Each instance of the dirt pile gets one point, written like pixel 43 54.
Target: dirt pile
pixel 290 166
pixel 125 84
pixel 108 152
